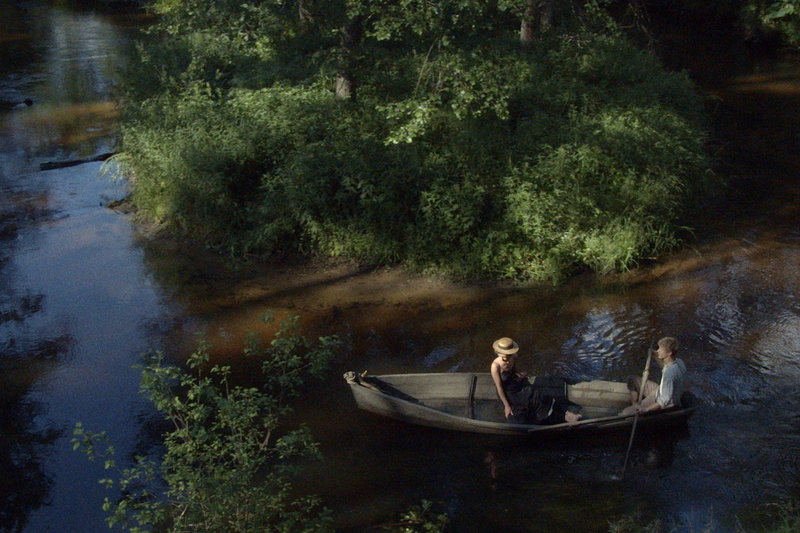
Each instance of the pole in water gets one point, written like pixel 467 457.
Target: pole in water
pixel 645 375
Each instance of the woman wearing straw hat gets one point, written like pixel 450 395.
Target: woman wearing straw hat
pixel 522 403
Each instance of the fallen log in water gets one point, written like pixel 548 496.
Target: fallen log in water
pixel 52 165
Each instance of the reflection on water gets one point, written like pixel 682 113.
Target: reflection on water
pixel 76 310
pixel 62 63
pixel 603 339
pixel 83 127
pixel 23 445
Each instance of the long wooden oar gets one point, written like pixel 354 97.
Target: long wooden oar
pixel 645 375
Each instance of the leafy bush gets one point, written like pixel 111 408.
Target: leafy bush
pixel 225 465
pixel 420 518
pixel 782 15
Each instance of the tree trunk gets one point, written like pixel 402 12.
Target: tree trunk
pixel 351 38
pixel 527 31
pixel 304 14
pixel 537 19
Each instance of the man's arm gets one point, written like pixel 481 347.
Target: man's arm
pixel 652 407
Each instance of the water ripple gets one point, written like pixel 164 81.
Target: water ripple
pixel 776 349
pixel 601 344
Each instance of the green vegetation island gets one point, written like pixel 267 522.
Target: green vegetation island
pixel 510 139
pixel 491 140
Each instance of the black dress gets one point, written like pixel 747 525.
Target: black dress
pixel 528 404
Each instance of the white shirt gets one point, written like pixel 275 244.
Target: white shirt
pixel 673 383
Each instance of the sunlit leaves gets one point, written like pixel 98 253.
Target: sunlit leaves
pixel 781 10
pixel 785 15
pixel 401 20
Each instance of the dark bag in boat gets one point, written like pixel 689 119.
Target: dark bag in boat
pixel 553 386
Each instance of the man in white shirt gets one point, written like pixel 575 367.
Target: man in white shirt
pixel 673 381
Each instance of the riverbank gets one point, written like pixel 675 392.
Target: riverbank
pixel 756 135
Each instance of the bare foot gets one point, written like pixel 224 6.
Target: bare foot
pixel 569 416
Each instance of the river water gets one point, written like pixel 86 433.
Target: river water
pixel 84 294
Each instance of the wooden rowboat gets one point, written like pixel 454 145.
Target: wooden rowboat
pixel 464 401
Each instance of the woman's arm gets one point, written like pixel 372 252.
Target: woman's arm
pixel 498 383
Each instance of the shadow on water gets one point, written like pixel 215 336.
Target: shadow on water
pixel 25 484
pixel 25 357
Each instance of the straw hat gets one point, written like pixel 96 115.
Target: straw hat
pixel 505 346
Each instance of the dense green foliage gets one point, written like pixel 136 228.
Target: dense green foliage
pixel 419 519
pixel 783 15
pixel 424 132
pixel 226 467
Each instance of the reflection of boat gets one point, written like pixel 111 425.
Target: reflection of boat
pixel 466 401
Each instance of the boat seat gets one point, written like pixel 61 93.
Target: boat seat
pixel 599 394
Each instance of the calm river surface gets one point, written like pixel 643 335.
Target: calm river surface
pixel 83 295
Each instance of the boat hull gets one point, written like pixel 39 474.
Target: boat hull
pixel 467 402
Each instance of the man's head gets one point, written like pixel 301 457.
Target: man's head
pixel 667 348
